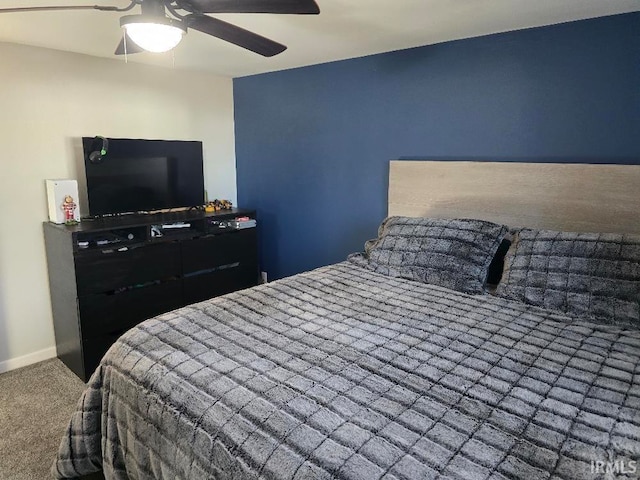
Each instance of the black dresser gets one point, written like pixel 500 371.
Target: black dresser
pixel 108 275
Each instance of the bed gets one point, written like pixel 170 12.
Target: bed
pixel 362 371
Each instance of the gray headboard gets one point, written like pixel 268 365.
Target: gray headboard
pixel 570 197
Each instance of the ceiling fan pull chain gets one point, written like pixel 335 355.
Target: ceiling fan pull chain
pixel 124 39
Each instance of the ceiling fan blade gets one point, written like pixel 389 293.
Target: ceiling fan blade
pixel 233 34
pixel 132 47
pixel 300 7
pixel 44 9
pixel 53 8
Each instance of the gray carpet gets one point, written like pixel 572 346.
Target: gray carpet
pixel 36 403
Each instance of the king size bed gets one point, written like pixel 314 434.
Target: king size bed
pixel 395 364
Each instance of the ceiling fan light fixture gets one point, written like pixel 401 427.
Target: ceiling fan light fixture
pixel 154 34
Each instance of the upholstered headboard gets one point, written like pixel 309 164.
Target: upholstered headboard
pixel 569 197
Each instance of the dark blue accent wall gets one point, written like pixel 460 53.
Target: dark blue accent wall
pixel 313 144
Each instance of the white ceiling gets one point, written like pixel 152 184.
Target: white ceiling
pixel 344 29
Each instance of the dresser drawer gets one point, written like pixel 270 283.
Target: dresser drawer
pixel 207 285
pixel 217 250
pixel 98 272
pixel 108 313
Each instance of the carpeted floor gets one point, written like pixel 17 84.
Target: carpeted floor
pixel 36 403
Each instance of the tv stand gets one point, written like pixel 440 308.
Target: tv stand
pixel 107 275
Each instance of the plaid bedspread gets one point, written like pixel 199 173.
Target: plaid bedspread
pixel 345 373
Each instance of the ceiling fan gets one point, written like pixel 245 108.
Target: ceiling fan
pixel 153 30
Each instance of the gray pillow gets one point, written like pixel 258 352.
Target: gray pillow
pixel 594 275
pixel 451 253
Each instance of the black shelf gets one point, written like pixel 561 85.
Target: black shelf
pixel 99 291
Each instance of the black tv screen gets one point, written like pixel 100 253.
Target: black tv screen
pixel 137 176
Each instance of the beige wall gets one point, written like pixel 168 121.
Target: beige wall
pixel 48 100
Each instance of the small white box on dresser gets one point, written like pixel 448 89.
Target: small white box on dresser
pixel 62 196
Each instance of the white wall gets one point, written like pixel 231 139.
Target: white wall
pixel 48 100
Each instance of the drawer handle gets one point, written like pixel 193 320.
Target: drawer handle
pixel 137 286
pixel 110 251
pixel 211 270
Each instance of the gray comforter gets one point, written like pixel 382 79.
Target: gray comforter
pixel 345 373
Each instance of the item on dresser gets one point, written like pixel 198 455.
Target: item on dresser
pixel 218 205
pixel 142 176
pixel 62 197
pixel 242 222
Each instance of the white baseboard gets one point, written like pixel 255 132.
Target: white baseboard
pixel 28 359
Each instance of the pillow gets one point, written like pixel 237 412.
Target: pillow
pixel 451 253
pixel 596 275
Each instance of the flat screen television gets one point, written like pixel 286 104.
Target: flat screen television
pixel 140 176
